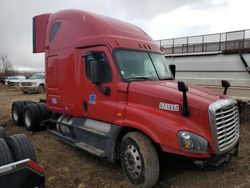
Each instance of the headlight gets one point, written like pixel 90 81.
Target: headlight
pixel 192 142
pixel 33 83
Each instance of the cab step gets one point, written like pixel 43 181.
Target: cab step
pixel 91 149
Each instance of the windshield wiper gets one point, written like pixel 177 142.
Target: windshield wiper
pixel 138 78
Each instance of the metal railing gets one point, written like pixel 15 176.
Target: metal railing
pixel 229 42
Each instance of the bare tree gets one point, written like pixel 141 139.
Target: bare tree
pixel 6 68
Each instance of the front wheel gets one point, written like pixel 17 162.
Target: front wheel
pixel 139 160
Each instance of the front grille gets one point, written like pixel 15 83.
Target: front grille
pixel 26 83
pixel 13 83
pixel 224 118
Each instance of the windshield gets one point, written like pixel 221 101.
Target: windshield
pixel 37 76
pixel 139 65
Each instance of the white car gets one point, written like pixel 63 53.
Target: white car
pixel 14 80
pixel 36 83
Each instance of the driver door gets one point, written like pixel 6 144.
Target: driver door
pixel 99 100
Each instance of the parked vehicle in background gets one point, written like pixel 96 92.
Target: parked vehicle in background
pixel 15 80
pixel 36 83
pixel 6 81
pixel 3 79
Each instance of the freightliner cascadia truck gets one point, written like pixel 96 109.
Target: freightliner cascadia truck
pixel 110 92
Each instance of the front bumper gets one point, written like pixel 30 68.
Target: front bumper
pixel 13 83
pixel 219 159
pixel 207 156
pixel 29 89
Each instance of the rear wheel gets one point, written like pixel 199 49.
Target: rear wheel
pixel 32 116
pixel 139 160
pixel 5 154
pixel 41 89
pixel 28 102
pixel 21 147
pixel 45 113
pixel 17 112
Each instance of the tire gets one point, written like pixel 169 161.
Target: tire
pixel 17 110
pixel 21 147
pixel 139 160
pixel 32 116
pixel 41 89
pixel 2 133
pixel 5 154
pixel 28 102
pixel 45 113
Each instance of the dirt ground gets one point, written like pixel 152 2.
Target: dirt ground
pixel 68 167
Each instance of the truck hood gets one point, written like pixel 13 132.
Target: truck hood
pixel 153 92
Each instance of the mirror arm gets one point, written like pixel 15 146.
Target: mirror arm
pixel 104 90
pixel 225 91
pixel 225 84
pixel 182 87
pixel 185 110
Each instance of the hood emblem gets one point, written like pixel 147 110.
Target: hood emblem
pixel 169 107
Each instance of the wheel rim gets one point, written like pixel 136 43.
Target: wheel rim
pixel 27 119
pixel 133 162
pixel 15 114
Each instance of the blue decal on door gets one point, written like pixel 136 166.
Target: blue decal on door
pixel 92 98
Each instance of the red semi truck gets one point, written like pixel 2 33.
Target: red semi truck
pixel 110 92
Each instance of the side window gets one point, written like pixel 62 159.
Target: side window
pixel 55 28
pixel 100 57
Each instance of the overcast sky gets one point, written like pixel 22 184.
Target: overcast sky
pixel 159 18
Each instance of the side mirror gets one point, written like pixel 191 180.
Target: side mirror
pixel 96 71
pixel 225 84
pixel 182 86
pixel 173 69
